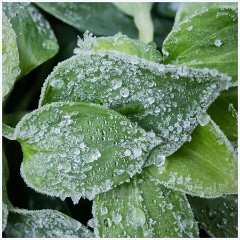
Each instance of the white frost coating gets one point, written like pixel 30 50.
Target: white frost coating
pixel 189 28
pixel 50 224
pixel 218 42
pixel 79 149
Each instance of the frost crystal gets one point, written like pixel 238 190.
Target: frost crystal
pixel 218 42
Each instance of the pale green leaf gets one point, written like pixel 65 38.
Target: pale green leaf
pixel 165 99
pixel 207 38
pixel 224 113
pixel 35 38
pixel 98 18
pixel 219 216
pixel 168 9
pixel 10 56
pixel 142 208
pixel 206 166
pixel 141 13
pixel 80 149
pixel 4 215
pixel 8 132
pixel 44 224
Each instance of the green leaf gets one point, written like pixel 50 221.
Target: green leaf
pixel 8 132
pixel 141 13
pixel 35 39
pixel 80 149
pixel 207 38
pixel 10 56
pixel 219 216
pixel 224 114
pixel 167 100
pixel 98 18
pixel 142 208
pixel 44 223
pixel 206 166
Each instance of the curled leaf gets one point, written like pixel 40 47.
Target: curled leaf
pixel 142 208
pixel 80 149
pixel 44 224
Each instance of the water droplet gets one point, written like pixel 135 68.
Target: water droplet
pixel 137 217
pixel 204 120
pixel 66 167
pixel 56 83
pixel 218 42
pixel 116 84
pixel 124 92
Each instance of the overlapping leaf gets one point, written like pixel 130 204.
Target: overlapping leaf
pixel 206 38
pixel 10 56
pixel 205 167
pixel 99 18
pixel 219 216
pixel 35 39
pixel 165 99
pixel 79 149
pixel 44 224
pixel 142 208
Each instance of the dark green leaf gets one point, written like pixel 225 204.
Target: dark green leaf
pixel 80 149
pixel 44 224
pixel 167 100
pixel 10 56
pixel 219 216
pixel 206 166
pixel 98 18
pixel 35 39
pixel 141 209
pixel 207 38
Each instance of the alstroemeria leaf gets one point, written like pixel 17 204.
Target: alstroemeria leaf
pixel 225 115
pixel 44 224
pixel 98 18
pixel 142 208
pixel 206 166
pixel 35 38
pixel 80 149
pixel 141 13
pixel 165 99
pixel 218 216
pixel 10 56
pixel 207 38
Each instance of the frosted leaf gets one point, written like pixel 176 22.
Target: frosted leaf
pixel 219 216
pixel 205 167
pixel 211 43
pixel 165 99
pixel 44 224
pixel 72 149
pixel 4 215
pixel 8 132
pixel 143 209
pixel 35 39
pixel 10 56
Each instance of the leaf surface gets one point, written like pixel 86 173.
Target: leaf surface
pixel 207 38
pixel 206 166
pixel 44 224
pixel 98 18
pixel 219 216
pixel 165 99
pixel 141 13
pixel 80 149
pixel 10 56
pixel 142 208
pixel 35 38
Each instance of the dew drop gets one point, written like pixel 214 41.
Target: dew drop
pixel 56 83
pixel 137 217
pixel 124 92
